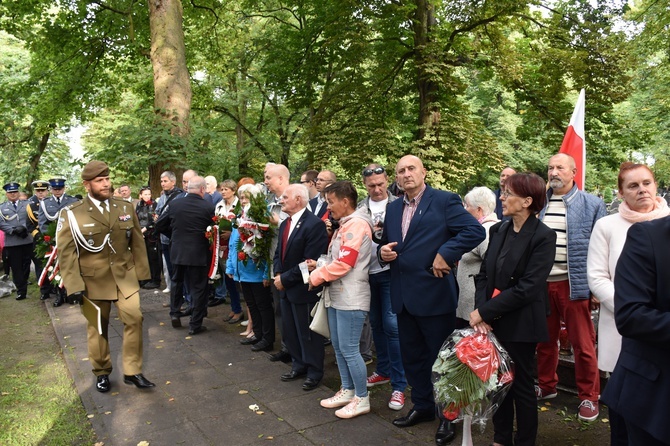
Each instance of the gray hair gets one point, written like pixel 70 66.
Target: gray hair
pixel 299 190
pixel 482 197
pixel 169 175
pixel 196 184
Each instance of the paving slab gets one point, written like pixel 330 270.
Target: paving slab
pixel 204 387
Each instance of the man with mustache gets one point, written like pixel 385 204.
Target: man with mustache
pixel 572 213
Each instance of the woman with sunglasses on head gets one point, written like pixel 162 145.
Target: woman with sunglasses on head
pixel 511 299
pixel 146 213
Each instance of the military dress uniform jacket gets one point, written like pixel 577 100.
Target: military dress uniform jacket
pixel 120 263
pixel 11 219
pixel 50 208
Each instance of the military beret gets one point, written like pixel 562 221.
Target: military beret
pixel 57 182
pixel 11 187
pixel 94 169
pixel 40 185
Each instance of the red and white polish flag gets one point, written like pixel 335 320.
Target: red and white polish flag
pixel 574 141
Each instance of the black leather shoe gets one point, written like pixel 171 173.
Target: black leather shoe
pixel 250 341
pixel 102 383
pixel 176 322
pixel 151 286
pixel 180 314
pixel 310 384
pixel 292 375
pixel 262 346
pixel 188 312
pixel 282 356
pixel 21 297
pixel 195 331
pixel 60 300
pixel 414 417
pixel 445 433
pixel 216 302
pixel 44 296
pixel 139 380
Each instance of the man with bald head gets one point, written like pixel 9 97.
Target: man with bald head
pixel 318 204
pixel 277 178
pixel 187 220
pixel 425 233
pixel 504 174
pixel 572 213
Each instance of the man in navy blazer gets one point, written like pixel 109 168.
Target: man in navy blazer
pixel 186 221
pixel 639 388
pixel 425 234
pixel 307 239
pixel 318 205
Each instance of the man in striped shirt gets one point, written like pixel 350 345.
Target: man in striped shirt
pixel 571 213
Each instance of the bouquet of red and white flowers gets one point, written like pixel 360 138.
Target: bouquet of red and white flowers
pixel 471 376
pixel 256 233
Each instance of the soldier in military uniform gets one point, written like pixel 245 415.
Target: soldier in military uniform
pixel 49 212
pixel 40 192
pixel 18 241
pixel 102 257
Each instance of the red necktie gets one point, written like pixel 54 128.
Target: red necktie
pixel 284 237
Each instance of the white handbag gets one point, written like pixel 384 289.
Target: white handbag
pixel 319 315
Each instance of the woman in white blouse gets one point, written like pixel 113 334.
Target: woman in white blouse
pixel 637 189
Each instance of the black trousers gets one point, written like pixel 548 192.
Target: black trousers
pixel 521 397
pixel 196 279
pixel 259 301
pixel 19 262
pixel 154 257
pixel 421 338
pixel 304 345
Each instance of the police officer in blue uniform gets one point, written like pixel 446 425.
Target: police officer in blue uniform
pixel 52 205
pixel 18 241
pixel 49 213
pixel 40 192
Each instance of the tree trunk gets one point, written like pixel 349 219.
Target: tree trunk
pixel 429 111
pixel 34 161
pixel 172 83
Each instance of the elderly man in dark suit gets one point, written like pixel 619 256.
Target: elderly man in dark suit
pixel 302 236
pixel 639 387
pixel 186 221
pixel 425 234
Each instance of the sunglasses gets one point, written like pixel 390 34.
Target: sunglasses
pixel 375 171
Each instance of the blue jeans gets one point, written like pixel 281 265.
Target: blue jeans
pixel 384 325
pixel 345 333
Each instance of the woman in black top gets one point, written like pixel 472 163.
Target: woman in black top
pixel 511 299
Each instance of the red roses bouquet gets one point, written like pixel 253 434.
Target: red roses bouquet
pixel 471 376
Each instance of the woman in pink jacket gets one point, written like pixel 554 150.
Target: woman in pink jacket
pixel 347 296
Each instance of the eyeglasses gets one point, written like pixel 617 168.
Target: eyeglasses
pixel 507 194
pixel 375 171
pixel 306 181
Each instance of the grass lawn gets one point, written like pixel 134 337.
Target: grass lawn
pixel 39 404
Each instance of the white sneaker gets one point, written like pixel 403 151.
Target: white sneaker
pixel 357 406
pixel 166 290
pixel 341 398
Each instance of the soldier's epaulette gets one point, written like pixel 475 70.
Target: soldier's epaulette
pixel 74 205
